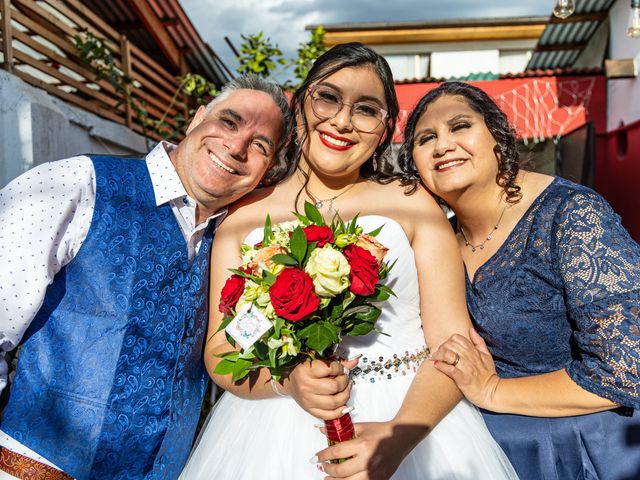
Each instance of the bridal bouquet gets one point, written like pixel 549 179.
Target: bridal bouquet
pixel 298 292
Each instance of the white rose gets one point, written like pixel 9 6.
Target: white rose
pixel 329 270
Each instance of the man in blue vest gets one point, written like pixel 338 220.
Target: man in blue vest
pixel 104 285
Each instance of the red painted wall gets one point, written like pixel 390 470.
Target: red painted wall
pixel 563 103
pixel 618 174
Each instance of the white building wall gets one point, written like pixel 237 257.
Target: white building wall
pixel 459 64
pixel 623 95
pixel 36 127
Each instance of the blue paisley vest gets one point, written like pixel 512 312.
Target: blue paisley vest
pixel 110 379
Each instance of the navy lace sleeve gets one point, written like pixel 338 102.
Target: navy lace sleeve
pixel 599 265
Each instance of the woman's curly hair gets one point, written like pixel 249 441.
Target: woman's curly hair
pixel 506 148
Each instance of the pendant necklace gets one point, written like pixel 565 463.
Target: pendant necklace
pixel 480 246
pixel 319 202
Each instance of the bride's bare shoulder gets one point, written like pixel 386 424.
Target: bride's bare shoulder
pixel 399 198
pixel 250 211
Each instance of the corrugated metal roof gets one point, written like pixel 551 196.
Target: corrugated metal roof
pixel 562 41
pixel 199 56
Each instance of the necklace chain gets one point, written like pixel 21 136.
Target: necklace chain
pixel 480 246
pixel 319 202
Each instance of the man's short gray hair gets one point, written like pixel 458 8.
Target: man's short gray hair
pixel 281 167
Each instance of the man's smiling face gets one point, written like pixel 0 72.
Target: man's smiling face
pixel 228 148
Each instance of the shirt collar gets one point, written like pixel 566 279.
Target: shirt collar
pixel 164 178
pixel 166 183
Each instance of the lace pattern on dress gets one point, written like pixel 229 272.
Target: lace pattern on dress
pixel 600 266
pixel 572 259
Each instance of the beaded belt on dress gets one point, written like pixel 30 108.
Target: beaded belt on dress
pixel 375 369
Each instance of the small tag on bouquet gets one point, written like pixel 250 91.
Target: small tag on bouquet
pixel 248 326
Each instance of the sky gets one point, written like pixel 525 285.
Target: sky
pixel 284 21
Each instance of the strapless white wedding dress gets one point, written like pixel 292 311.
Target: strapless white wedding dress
pixel 274 438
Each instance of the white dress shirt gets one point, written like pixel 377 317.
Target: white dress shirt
pixel 45 216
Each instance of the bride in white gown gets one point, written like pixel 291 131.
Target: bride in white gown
pixel 415 426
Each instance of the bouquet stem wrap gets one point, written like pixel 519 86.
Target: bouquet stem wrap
pixel 339 430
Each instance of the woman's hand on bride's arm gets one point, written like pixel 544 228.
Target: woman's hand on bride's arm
pixel 375 453
pixel 551 394
pixel 322 388
pixel 468 362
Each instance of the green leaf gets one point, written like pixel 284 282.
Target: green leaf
pixel 356 309
pixel 384 291
pixel 261 350
pixel 336 311
pixel 375 232
pixel 242 274
pixel 351 227
pixel 233 355
pixel 272 357
pixel 380 295
pixel 302 219
pixel 277 327
pixel 268 232
pixel 260 364
pixel 298 244
pixel 320 335
pixel 240 369
pixel 283 259
pixel 248 354
pixel 385 268
pixel 348 298
pixel 224 367
pixel 371 315
pixel 313 213
pixel 361 329
pixel 269 278
pixel 310 248
pixel 225 321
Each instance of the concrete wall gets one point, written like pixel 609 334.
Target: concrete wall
pixel 36 127
pixel 623 105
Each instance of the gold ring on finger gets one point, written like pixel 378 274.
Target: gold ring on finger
pixel 455 362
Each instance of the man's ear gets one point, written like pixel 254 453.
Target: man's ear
pixel 197 118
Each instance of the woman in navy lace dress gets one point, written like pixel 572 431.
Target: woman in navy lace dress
pixel 553 284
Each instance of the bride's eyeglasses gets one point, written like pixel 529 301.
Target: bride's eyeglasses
pixel 326 103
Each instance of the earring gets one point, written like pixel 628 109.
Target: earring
pixel 375 161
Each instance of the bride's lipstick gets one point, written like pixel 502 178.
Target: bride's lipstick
pixel 335 142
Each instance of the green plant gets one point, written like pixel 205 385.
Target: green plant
pixel 95 52
pixel 199 90
pixel 259 56
pixel 308 52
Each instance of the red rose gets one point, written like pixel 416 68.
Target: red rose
pixel 320 234
pixel 292 295
pixel 231 293
pixel 365 271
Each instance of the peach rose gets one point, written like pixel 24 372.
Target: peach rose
pixel 374 247
pixel 264 257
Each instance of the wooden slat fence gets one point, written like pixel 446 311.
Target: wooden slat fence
pixel 38 46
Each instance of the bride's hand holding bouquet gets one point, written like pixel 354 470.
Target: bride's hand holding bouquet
pixel 297 293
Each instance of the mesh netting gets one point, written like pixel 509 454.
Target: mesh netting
pixel 544 109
